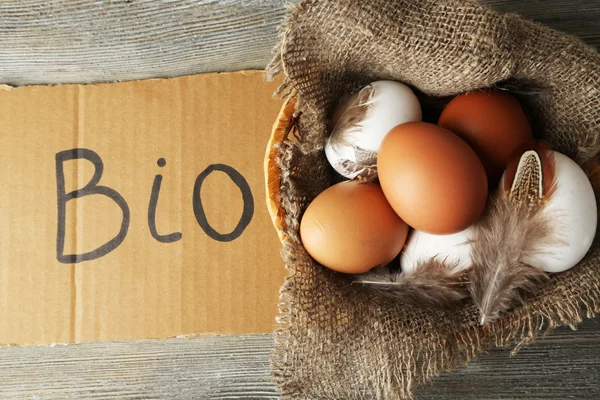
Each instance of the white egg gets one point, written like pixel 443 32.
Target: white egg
pixel 573 213
pixel 453 250
pixel 361 123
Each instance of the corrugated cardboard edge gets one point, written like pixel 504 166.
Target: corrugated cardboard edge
pixel 256 77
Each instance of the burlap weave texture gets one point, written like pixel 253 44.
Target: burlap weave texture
pixel 336 339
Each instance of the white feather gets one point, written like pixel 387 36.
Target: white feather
pixel 390 104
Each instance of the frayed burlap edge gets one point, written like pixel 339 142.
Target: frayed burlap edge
pixel 420 363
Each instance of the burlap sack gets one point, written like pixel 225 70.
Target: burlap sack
pixel 336 339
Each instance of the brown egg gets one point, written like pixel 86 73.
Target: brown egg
pixel 351 228
pixel 432 178
pixel 492 123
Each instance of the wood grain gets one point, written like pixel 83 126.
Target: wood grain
pixel 218 367
pixel 64 41
pixel 577 17
pixel 82 41
pixel 564 365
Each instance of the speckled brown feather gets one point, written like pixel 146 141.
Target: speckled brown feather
pixel 513 229
pixel 498 279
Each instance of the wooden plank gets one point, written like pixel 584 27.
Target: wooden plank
pixel 65 41
pixel 577 17
pixel 564 365
pixel 218 367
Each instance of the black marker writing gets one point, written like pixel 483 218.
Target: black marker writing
pixel 247 198
pixel 172 237
pixel 91 188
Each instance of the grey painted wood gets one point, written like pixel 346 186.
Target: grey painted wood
pixel 218 367
pixel 63 41
pixel 81 41
pixel 564 365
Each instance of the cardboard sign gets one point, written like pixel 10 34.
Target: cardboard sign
pixel 136 210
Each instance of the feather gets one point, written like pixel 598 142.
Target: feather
pixel 513 229
pixel 361 163
pixel 364 168
pixel 353 110
pixel 431 283
pixel 535 149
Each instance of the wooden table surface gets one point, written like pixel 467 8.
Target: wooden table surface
pixel 80 41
